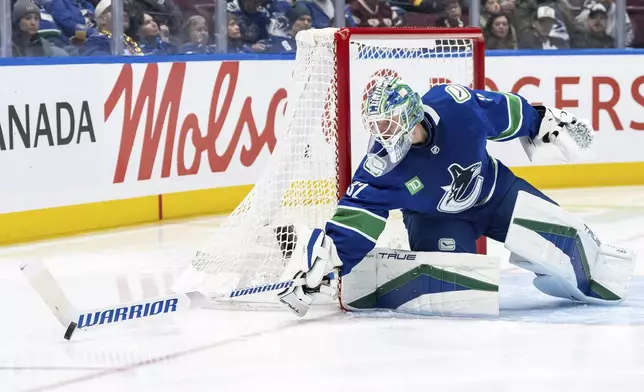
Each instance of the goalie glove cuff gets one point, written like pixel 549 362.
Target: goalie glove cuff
pixel 541 110
pixel 320 257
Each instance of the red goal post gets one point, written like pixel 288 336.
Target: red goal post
pixel 447 38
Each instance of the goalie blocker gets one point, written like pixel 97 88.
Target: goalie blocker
pixel 567 257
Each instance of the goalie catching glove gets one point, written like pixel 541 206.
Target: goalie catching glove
pixel 559 128
pixel 315 257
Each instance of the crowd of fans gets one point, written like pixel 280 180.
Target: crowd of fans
pixel 161 27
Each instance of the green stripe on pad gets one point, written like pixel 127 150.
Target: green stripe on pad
pixel 360 220
pixel 547 228
pixel 563 231
pixel 369 301
pixel 603 292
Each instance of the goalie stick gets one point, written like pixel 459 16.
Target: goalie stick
pixel 74 318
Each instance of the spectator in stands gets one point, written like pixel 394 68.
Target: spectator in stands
pixel 73 17
pixel 278 24
pixel 235 43
pixel 100 43
pixel 499 33
pixel 525 11
pixel 150 39
pixel 611 10
pixel 490 8
pixel 538 37
pixel 564 25
pixel 451 16
pixel 322 12
pixel 299 16
pixel 197 39
pixel 253 20
pixel 596 35
pixel 164 12
pixel 26 41
pixel 48 30
pixel 373 13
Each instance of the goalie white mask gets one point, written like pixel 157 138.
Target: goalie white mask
pixel 390 113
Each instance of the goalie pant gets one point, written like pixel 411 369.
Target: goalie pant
pixel 440 233
pixel 437 234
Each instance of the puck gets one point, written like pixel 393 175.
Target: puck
pixel 70 330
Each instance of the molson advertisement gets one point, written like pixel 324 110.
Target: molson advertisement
pixel 102 133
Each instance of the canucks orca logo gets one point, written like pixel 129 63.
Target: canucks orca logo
pixel 279 25
pixel 464 190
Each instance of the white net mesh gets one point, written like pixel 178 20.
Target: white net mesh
pixel 300 186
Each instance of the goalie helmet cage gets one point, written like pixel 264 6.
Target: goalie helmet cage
pixel 311 166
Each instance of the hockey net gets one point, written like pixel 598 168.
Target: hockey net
pixel 321 142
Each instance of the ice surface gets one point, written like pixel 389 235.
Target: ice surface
pixel 537 344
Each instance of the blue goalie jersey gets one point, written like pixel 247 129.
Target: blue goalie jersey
pixel 450 178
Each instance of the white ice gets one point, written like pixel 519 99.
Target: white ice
pixel 537 344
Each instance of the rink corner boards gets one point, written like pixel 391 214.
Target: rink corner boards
pixel 47 223
pixel 42 224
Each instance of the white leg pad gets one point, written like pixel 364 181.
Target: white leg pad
pixel 581 268
pixel 424 283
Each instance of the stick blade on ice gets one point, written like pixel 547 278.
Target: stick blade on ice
pixel 49 291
